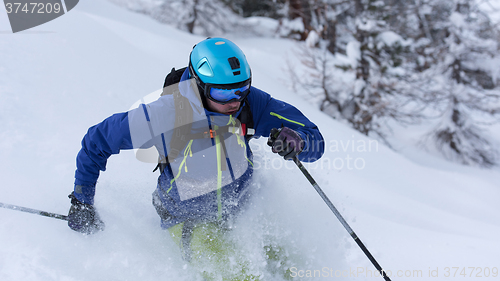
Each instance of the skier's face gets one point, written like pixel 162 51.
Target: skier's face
pixel 228 108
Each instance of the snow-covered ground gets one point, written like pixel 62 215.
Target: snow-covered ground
pixel 423 218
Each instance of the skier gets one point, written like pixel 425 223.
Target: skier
pixel 200 127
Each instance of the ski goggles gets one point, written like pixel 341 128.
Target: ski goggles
pixel 224 94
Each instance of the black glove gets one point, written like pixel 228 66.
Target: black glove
pixel 83 217
pixel 286 142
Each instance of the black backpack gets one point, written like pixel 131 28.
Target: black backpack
pixel 184 118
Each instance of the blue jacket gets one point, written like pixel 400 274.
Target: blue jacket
pixel 209 177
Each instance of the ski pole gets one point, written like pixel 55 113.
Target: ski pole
pixel 341 219
pixel 33 211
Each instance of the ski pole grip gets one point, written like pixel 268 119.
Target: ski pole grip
pixel 272 136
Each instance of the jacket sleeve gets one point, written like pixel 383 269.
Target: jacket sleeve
pixel 101 141
pixel 271 113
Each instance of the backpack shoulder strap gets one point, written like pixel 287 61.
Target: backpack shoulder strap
pixel 183 117
pixel 246 120
pixel 182 125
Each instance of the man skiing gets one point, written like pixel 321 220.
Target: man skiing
pixel 200 127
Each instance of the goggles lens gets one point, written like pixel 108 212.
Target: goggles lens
pixel 225 95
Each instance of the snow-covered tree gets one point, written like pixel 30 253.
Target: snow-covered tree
pixel 378 92
pixel 207 17
pixel 365 87
pixel 463 84
pixel 303 19
pixel 407 55
pixel 260 8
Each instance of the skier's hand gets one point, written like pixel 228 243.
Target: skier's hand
pixel 286 142
pixel 83 217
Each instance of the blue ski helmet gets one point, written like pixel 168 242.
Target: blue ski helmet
pixel 218 61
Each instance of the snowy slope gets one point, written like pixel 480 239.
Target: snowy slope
pixel 415 213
